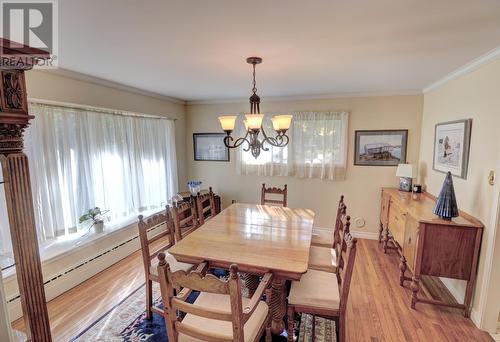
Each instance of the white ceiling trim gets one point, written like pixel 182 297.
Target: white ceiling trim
pixel 465 69
pixel 115 85
pixel 308 97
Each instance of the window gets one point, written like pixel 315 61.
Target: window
pixel 81 159
pixel 317 149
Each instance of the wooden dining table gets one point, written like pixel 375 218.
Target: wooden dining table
pixel 259 239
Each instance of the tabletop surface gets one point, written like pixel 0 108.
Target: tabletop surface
pixel 252 236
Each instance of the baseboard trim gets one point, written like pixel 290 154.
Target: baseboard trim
pixel 364 235
pixel 475 317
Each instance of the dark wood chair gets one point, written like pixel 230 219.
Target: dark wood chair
pixel 324 294
pixel 205 206
pixel 219 313
pixel 323 237
pixel 328 259
pixel 185 218
pixel 264 200
pixel 156 234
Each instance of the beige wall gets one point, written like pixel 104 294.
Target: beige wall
pixel 362 184
pixel 474 95
pixel 49 86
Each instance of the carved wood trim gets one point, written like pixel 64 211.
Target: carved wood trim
pixel 25 246
pixel 14 97
pixel 11 138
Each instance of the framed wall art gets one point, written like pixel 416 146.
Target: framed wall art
pixel 210 147
pixel 451 147
pixel 380 147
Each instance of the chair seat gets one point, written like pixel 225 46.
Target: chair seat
pixel 316 289
pixel 223 328
pixel 323 259
pixel 174 264
pixel 322 237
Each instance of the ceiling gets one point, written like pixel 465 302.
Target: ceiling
pixel 196 50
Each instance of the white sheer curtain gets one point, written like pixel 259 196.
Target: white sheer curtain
pixel 320 144
pixel 5 242
pixel 82 159
pixel 317 148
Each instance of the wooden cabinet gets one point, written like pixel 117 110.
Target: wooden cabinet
pixel 428 245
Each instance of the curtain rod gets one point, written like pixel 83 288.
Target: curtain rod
pixel 101 110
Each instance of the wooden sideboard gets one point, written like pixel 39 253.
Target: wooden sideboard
pixel 429 245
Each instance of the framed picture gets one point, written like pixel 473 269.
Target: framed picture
pixel 381 147
pixel 451 147
pixel 210 147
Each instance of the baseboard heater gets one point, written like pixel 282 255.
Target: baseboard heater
pixel 64 273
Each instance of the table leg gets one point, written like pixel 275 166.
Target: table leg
pixel 278 305
pixel 250 282
pixel 386 240
pixel 415 287
pixel 402 268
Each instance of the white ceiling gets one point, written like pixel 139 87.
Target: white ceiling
pixel 196 50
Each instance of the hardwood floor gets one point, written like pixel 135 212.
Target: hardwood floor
pixel 378 308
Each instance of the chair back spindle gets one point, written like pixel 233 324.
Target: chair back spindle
pixel 147 236
pixel 265 200
pixel 205 206
pixel 198 280
pixel 185 218
pixel 344 275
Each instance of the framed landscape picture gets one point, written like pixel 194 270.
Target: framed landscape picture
pixel 210 147
pixel 451 147
pixel 380 147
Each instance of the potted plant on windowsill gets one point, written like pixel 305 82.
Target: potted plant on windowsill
pixel 95 215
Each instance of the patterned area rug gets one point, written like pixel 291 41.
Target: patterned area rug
pixel 127 322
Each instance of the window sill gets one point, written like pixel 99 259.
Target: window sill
pixel 63 246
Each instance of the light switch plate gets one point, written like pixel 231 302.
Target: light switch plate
pixel 491 177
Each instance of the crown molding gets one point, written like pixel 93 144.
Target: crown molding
pixel 308 97
pixel 465 69
pixel 110 84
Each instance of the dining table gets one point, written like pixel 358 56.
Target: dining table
pixel 258 239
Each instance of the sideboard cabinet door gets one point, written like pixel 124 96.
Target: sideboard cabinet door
pixel 410 244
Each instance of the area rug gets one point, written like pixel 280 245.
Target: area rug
pixel 127 322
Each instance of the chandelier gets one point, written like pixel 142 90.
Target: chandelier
pixel 253 124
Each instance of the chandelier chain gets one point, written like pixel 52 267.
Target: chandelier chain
pixel 254 89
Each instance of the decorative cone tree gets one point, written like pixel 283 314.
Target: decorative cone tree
pixel 446 206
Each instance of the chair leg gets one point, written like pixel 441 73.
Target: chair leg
pixel 291 322
pixel 314 328
pixel 342 331
pixel 149 299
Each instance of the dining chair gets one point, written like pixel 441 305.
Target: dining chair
pixel 219 312
pixel 156 235
pixel 264 200
pixel 324 294
pixel 205 206
pixel 329 258
pixel 323 237
pixel 185 218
